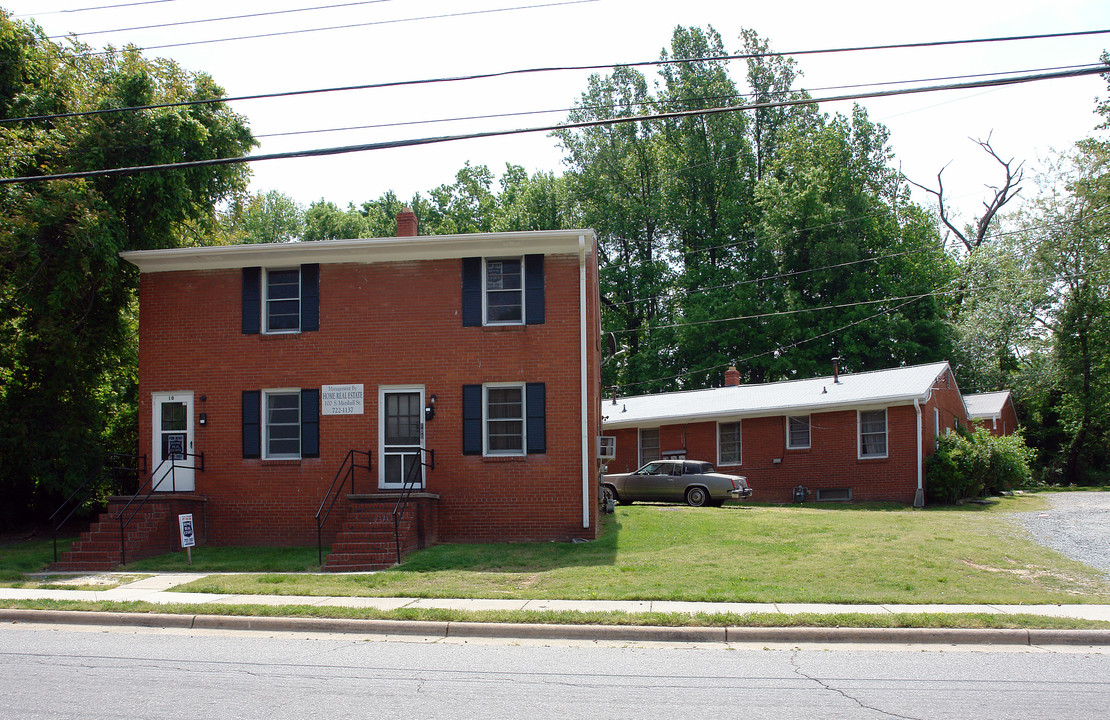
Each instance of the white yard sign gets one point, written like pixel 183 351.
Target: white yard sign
pixel 188 538
pixel 341 399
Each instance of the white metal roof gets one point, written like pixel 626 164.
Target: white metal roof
pixel 986 405
pixel 361 250
pixel 879 388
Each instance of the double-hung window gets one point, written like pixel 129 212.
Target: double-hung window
pixel 504 421
pixel 281 424
pixel 872 434
pixel 503 290
pixel 728 443
pixel 503 281
pixel 505 418
pixel 797 432
pixel 283 300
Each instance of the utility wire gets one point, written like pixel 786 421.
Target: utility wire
pixel 654 103
pixel 99 7
pixel 525 71
pixel 219 19
pixel 324 152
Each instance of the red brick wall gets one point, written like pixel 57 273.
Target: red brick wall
pixel 380 324
pixel 1004 425
pixel 831 462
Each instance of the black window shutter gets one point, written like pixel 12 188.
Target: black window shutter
pixel 252 425
pixel 252 300
pixel 310 423
pixel 471 292
pixel 472 419
pixel 533 290
pixel 310 297
pixel 535 401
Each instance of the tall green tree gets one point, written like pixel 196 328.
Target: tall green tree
pixel 66 298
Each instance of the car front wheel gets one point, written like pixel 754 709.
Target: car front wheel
pixel 697 497
pixel 608 493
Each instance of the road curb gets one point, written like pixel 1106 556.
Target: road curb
pixel 525 631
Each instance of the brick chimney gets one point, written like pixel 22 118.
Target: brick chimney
pixel 406 223
pixel 732 376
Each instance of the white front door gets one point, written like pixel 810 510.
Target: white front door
pixel 400 437
pixel 173 442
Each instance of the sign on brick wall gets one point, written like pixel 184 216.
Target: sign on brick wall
pixel 341 399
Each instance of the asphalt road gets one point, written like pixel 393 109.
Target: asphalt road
pixel 65 672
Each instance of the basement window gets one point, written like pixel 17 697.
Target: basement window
pixel 834 494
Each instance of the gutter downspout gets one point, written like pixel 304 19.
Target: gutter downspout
pixel 919 496
pixel 586 455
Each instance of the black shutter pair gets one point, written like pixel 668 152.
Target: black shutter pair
pixel 252 299
pixel 535 420
pixel 472 291
pixel 310 423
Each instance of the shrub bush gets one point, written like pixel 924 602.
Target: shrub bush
pixel 973 464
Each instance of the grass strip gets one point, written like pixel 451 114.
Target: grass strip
pixel 766 620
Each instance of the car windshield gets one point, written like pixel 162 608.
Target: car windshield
pixel 655 468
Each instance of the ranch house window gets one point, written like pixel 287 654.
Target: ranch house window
pixel 649 445
pixel 872 434
pixel 728 443
pixel 797 432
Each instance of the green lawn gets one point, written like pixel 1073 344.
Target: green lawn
pixel 748 553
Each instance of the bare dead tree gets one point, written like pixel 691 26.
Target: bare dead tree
pixel 973 237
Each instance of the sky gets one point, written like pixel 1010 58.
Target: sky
pixel 397 40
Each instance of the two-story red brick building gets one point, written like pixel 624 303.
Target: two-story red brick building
pixel 848 436
pixel 268 364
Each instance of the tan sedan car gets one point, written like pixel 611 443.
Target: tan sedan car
pixel 693 482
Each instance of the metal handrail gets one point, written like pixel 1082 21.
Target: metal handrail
pixel 406 490
pixel 345 472
pixel 153 487
pixel 105 468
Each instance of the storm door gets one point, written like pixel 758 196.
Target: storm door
pixel 401 423
pixel 173 441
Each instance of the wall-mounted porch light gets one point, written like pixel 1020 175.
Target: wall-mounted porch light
pixel 430 410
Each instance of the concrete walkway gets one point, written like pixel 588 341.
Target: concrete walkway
pixel 156 590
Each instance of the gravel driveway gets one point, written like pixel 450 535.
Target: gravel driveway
pixel 1077 525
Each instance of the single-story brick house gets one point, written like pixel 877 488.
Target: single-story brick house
pixel 468 364
pixel 994 411
pixel 848 436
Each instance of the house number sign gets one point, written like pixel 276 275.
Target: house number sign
pixel 341 399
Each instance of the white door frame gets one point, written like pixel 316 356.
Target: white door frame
pixel 383 390
pixel 183 475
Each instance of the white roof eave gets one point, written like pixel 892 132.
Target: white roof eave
pixel 361 250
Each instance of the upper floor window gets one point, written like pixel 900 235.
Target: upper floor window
pixel 503 291
pixel 797 432
pixel 728 443
pixel 872 434
pixel 281 300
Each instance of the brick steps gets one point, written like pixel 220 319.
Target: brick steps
pixel 151 531
pixel 366 541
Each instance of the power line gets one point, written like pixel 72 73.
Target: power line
pixel 524 71
pixel 324 152
pixel 220 19
pixel 349 26
pixel 99 7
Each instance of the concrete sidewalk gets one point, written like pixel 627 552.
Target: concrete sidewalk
pixel 156 590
